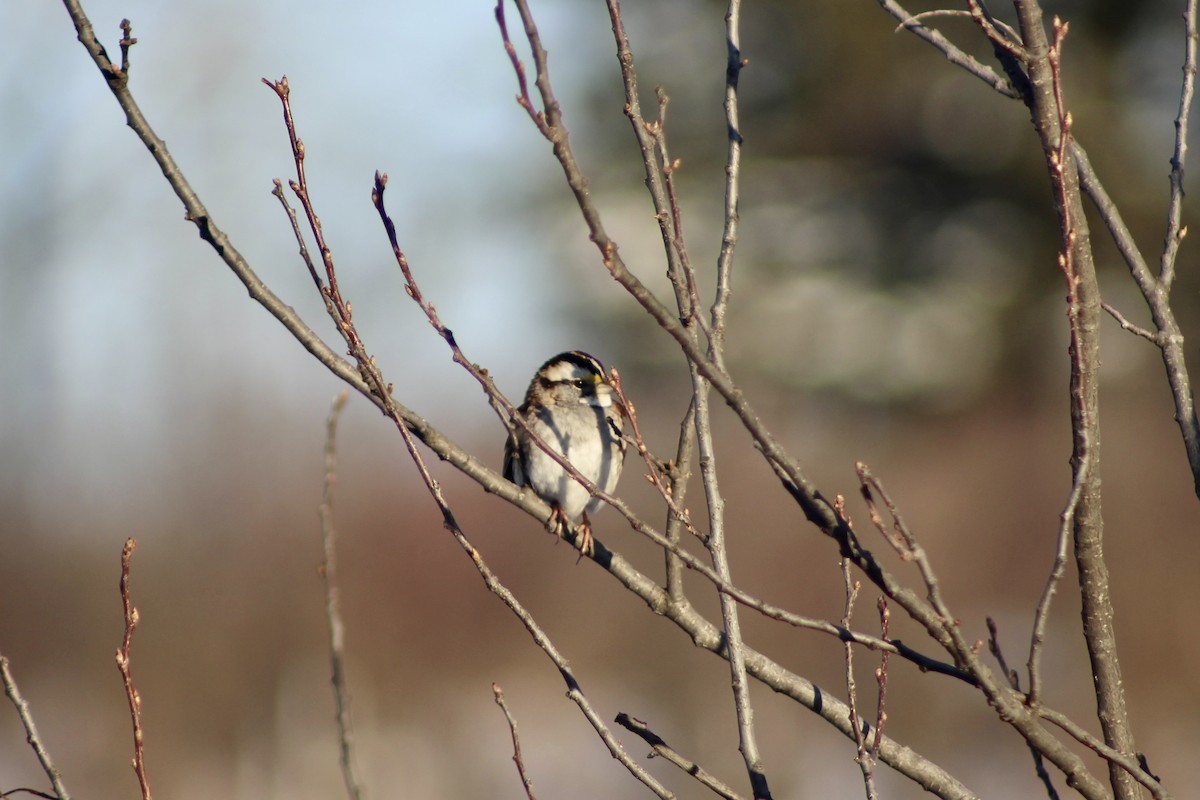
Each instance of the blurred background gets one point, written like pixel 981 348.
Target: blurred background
pixel 896 302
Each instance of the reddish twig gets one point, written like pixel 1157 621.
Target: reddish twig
pixel 516 740
pixel 668 167
pixel 999 35
pixel 1059 161
pixel 866 763
pixel 123 665
pixel 340 310
pixel 656 468
pixel 902 540
pixel 881 676
pixel 523 98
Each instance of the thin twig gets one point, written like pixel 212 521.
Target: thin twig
pixel 664 750
pixel 1037 637
pixel 1013 710
pixel 1175 228
pixel 651 139
pixel 1082 424
pixel 124 666
pixel 31 732
pixel 655 468
pixel 1014 680
pixel 863 758
pixel 498 693
pixel 733 176
pixel 339 310
pixel 747 739
pixel 952 52
pixel 1134 766
pixel 949 13
pixel 881 676
pixel 1002 37
pixel 1126 325
pixel 1169 338
pixel 903 541
pixel 716 544
pixel 689 308
pixel 198 214
pixel 127 41
pixel 333 611
pixel 679 475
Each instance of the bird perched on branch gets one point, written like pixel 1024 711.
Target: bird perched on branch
pixel 571 408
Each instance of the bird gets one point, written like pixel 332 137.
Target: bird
pixel 570 406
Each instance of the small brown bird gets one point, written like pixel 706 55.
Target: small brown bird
pixel 570 406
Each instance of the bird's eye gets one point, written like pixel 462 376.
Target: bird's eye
pixel 579 384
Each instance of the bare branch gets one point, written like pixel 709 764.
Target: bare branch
pixel 197 214
pixel 651 139
pixel 124 666
pixel 127 41
pixel 903 541
pixel 863 758
pixel 1175 230
pixel 881 676
pixel 689 304
pixel 1038 635
pixel 662 749
pixel 1134 766
pixel 333 612
pixel 953 53
pixel 655 468
pixel 1014 680
pixel 1052 122
pixel 1169 337
pixel 31 734
pixel 1004 38
pixel 1126 325
pixel 516 740
pixel 733 174
pixel 747 736
pixel 574 692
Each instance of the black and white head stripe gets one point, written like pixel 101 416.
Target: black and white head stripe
pixel 571 367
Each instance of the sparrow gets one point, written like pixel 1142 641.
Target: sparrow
pixel 570 406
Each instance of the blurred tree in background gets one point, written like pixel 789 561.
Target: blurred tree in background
pixel 897 242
